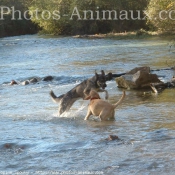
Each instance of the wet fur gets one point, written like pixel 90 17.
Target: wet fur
pixel 101 108
pixel 97 82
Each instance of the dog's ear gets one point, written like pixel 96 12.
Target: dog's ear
pixel 87 98
pixel 97 76
pixel 102 72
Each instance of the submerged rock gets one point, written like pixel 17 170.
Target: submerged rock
pixel 13 82
pixel 7 146
pixel 33 80
pixel 48 78
pixel 112 137
pixel 25 82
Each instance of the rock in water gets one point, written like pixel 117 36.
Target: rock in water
pixel 13 82
pixel 48 78
pixel 137 78
pixel 25 82
pixel 33 80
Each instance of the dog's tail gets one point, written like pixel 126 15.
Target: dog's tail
pixel 55 98
pixel 121 99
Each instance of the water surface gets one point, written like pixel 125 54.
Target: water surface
pixel 34 138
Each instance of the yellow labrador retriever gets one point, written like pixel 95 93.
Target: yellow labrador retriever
pixel 101 108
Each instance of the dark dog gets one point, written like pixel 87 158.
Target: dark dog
pixel 97 82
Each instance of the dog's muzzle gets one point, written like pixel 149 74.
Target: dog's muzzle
pixel 102 85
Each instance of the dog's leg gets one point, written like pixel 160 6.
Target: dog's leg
pixel 107 95
pixel 66 104
pixel 104 115
pixel 89 113
pixel 112 115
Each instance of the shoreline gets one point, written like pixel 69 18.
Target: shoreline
pixel 140 34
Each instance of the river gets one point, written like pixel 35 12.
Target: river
pixel 35 140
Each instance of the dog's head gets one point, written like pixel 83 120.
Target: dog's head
pixel 92 95
pixel 102 78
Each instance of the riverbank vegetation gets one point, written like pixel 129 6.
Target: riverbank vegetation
pixel 10 24
pixel 75 17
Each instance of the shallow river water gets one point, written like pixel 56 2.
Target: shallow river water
pixel 35 140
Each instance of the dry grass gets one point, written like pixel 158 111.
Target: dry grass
pixel 128 35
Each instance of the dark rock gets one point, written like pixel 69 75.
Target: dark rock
pixel 33 80
pixel 109 76
pixel 7 146
pixel 118 75
pixel 112 137
pixel 48 78
pixel 13 82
